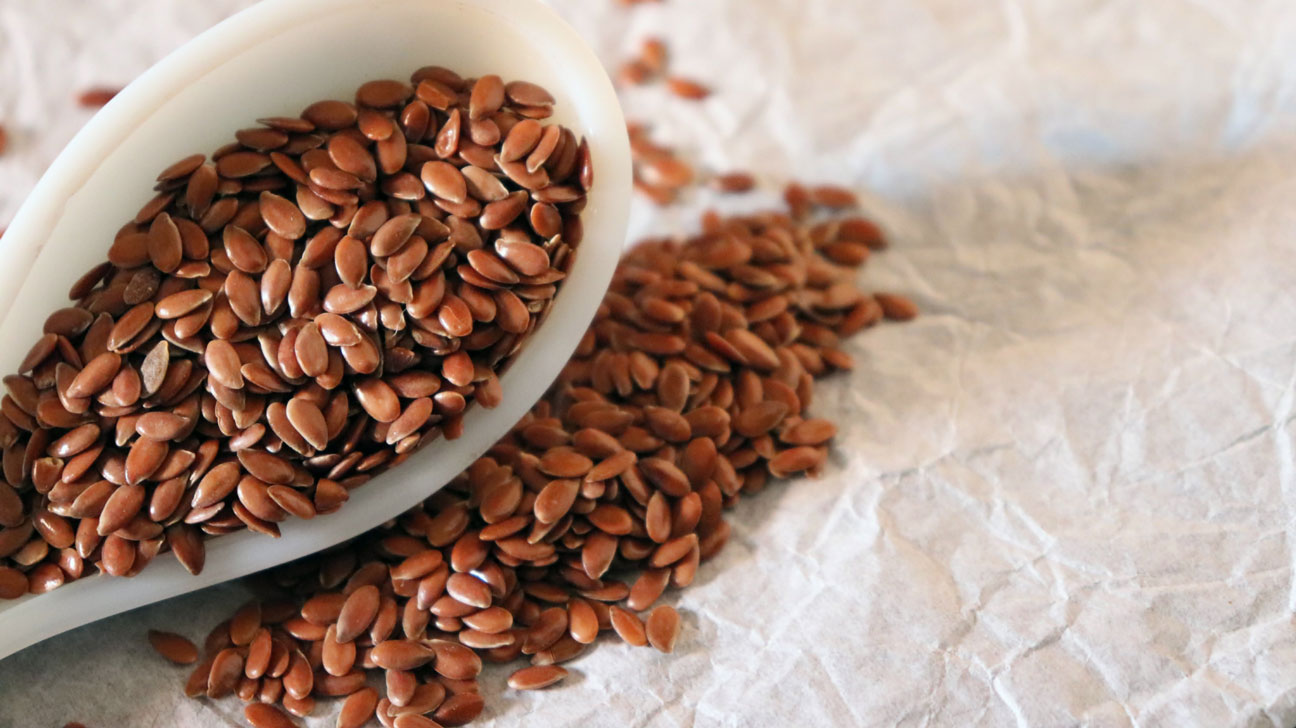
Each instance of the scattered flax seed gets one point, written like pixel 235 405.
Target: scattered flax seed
pixel 633 73
pixel 96 97
pixel 173 647
pixel 686 88
pixel 733 182
pixel 652 54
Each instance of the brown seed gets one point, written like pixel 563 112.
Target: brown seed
pixel 282 216
pixel 456 661
pixel 309 422
pixel 628 626
pixel 445 181
pixel 302 707
pixel 351 259
pixel 95 97
pixel 164 245
pixel 241 164
pixel 896 307
pixel 182 168
pixel 795 460
pixel 358 708
pixel 75 441
pixel 243 250
pixel 13 583
pixel 330 114
pixel 412 720
pixel 469 590
pixel 556 499
pixel 544 149
pixel 565 463
pixel 521 140
pixel 95 376
pixel 733 182
pixel 226 669
pixel 402 654
pixel 459 709
pixel 120 508
pixel 487 96
pixel 223 363
pixel 311 350
pixel 342 299
pixel 525 93
pixel 673 550
pixel 416 414
pixel 759 419
pixel 393 234
pixel 832 196
pixel 338 657
pixel 219 482
pixel 378 399
pixel 183 302
pixel 291 501
pixel 129 325
pixel 262 715
pixel 350 156
pixel 258 657
pixel 375 125
pixel 187 546
pixel 687 88
pixel 667 171
pixel 261 139
pixel 161 425
pixel 43 347
pixel 497 215
pixel 454 316
pixel 633 73
pixel 662 627
pixel 582 621
pixel 652 53
pixel 384 94
pixel 265 466
pixel 357 613
pixel 536 677
pixel 809 432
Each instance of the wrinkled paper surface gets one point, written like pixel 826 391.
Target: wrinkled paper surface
pixel 1065 496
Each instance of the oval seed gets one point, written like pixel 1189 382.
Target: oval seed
pixel 263 715
pixel 536 677
pixel 662 627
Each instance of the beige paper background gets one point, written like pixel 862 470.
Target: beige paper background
pixel 1064 496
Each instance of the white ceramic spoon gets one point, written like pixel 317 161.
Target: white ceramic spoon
pixel 270 60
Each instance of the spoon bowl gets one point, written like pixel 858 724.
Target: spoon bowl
pixel 274 59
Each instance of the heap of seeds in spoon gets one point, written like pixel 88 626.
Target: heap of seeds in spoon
pixel 285 320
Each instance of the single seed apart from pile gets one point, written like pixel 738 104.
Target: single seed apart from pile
pixel 687 88
pixel 173 647
pixel 95 97
pixel 733 182
pixel 896 307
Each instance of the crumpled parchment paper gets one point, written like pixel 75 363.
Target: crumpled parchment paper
pixel 1066 495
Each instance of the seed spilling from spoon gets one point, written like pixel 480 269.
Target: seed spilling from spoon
pixel 285 319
